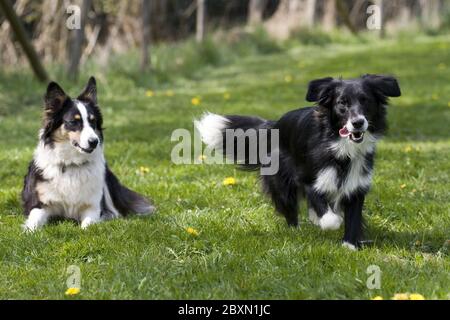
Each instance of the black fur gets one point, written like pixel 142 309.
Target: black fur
pixel 124 199
pixel 304 149
pixel 30 197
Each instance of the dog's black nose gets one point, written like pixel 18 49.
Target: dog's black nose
pixel 358 124
pixel 93 142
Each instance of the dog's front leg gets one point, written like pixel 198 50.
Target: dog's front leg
pixel 320 212
pixel 353 221
pixel 37 218
pixel 90 216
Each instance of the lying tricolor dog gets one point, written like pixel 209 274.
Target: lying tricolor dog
pixel 68 176
pixel 326 152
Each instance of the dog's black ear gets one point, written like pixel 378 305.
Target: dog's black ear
pixel 386 85
pixel 55 97
pixel 90 91
pixel 316 88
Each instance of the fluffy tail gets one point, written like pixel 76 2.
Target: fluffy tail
pixel 119 198
pixel 213 131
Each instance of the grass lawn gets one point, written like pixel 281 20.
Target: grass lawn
pixel 242 250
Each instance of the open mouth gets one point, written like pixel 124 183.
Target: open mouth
pixel 76 145
pixel 355 136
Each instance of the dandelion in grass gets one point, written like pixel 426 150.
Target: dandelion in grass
pixel 196 101
pixel 448 104
pixel 143 170
pixel 288 78
pixel 416 296
pixel 149 93
pixel 170 93
pixel 230 181
pixel 434 97
pixel 408 149
pixel 202 157
pixel 403 186
pixel 192 231
pixel 226 96
pixel 377 298
pixel 72 291
pixel 400 296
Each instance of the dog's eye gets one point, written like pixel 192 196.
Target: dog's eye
pixel 73 122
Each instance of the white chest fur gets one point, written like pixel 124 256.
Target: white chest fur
pixel 358 176
pixel 73 181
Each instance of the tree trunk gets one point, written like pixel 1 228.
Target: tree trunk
pixel 345 15
pixel 255 11
pixel 22 37
pixel 329 15
pixel 291 15
pixel 200 28
pixel 430 13
pixel 145 59
pixel 77 40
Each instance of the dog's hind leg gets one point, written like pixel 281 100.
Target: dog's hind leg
pixel 283 191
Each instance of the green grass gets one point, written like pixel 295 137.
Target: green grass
pixel 243 249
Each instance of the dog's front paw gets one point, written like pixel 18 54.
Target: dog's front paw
pixel 330 221
pixel 30 226
pixel 349 246
pixel 87 222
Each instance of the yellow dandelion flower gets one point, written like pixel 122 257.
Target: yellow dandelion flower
pixel 403 186
pixel 448 104
pixel 72 291
pixel 377 298
pixel 170 93
pixel 401 296
pixel 144 170
pixel 288 78
pixel 195 101
pixel 149 93
pixel 192 231
pixel 202 157
pixel 229 181
pixel 226 96
pixel 407 149
pixel 416 296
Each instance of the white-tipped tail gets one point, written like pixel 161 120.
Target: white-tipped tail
pixel 210 127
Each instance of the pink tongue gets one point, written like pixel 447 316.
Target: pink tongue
pixel 344 132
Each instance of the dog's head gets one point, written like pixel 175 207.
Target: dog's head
pixel 354 106
pixel 75 121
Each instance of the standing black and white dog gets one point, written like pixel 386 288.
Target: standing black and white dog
pixel 326 152
pixel 68 176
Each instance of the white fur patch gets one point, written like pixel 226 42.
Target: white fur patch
pixel 36 219
pixel 88 132
pixel 356 177
pixel 349 246
pixel 313 216
pixel 330 221
pixel 326 180
pixel 210 127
